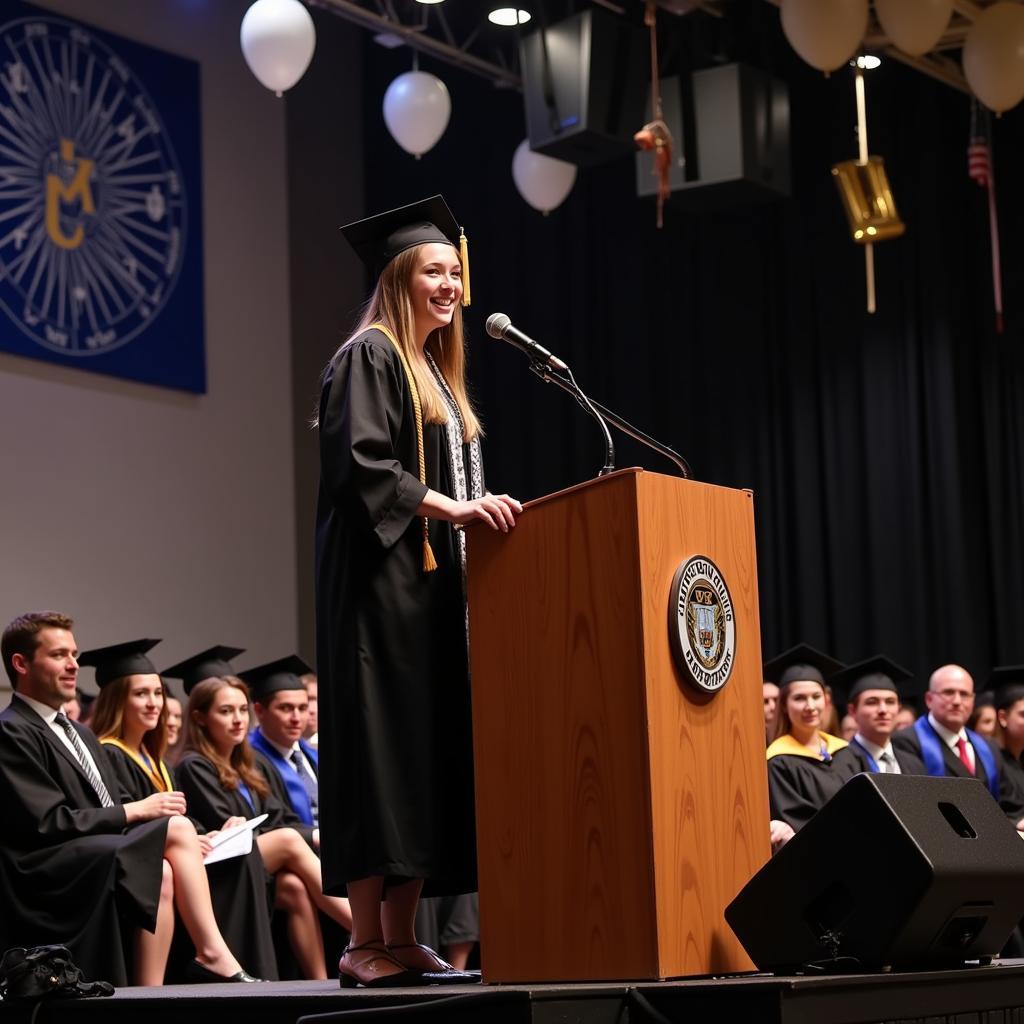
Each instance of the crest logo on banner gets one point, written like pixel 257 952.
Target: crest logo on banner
pixel 100 240
pixel 702 626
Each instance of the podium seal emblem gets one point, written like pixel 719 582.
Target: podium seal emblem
pixel 702 624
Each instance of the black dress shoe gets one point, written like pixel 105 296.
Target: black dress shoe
pixel 197 974
pixel 442 973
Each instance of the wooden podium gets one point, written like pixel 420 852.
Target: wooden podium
pixel 619 808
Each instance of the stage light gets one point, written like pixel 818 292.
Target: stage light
pixel 430 1
pixel 508 16
pixel 868 61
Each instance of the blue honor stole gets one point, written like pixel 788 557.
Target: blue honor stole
pixel 872 763
pixel 297 795
pixel 935 764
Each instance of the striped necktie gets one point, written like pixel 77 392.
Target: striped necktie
pixel 308 782
pixel 90 773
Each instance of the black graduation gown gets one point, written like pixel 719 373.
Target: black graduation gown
pixel 238 886
pixel 211 804
pixel 71 872
pixel 856 758
pixel 800 784
pixel 1011 800
pixel 396 756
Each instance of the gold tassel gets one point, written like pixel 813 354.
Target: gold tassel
pixel 464 256
pixel 429 562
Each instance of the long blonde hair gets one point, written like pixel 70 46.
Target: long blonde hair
pixel 108 716
pixel 389 304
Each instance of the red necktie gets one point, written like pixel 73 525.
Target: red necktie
pixel 961 746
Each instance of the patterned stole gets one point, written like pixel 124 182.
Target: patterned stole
pixel 455 432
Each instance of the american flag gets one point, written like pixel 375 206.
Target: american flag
pixel 979 160
pixel 979 169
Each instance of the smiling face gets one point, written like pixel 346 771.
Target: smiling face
pixel 51 673
pixel 435 287
pixel 805 704
pixel 227 720
pixel 284 716
pixel 875 712
pixel 143 702
pixel 173 720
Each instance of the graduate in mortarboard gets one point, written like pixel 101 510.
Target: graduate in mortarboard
pixel 1007 683
pixel 873 701
pixel 400 470
pixel 130 717
pixel 802 773
pixel 225 785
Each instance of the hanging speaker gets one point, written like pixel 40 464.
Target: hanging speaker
pixel 895 870
pixel 730 127
pixel 584 82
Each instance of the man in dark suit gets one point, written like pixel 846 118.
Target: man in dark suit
pixel 873 701
pixel 77 866
pixel 946 747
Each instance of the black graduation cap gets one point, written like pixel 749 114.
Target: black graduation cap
pixel 876 673
pixel 127 659
pixel 1008 682
pixel 803 663
pixel 379 239
pixel 214 661
pixel 282 674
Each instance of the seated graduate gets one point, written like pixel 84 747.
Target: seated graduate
pixel 311 734
pixel 130 718
pixel 874 701
pixel 78 867
pixel 983 717
pixel 175 720
pixel 220 777
pixel 802 775
pixel 946 747
pixel 281 706
pixel 1008 683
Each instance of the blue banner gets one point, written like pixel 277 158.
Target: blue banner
pixel 101 250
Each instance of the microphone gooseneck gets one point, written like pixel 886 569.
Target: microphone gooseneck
pixel 500 326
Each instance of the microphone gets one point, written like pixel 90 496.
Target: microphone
pixel 500 326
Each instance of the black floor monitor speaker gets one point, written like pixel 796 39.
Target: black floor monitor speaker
pixel 895 870
pixel 584 82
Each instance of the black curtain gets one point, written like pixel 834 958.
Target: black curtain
pixel 885 452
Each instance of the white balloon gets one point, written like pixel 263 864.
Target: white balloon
pixel 416 110
pixel 542 181
pixel 826 33
pixel 915 26
pixel 993 56
pixel 278 40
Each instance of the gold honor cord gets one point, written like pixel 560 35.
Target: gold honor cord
pixel 429 562
pixel 160 779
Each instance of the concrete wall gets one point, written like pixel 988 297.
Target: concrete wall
pixel 147 512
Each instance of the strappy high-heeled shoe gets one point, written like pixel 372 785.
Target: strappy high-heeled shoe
pixel 367 976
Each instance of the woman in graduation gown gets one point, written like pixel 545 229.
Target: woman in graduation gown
pixel 222 780
pixel 130 717
pixel 802 776
pixel 400 471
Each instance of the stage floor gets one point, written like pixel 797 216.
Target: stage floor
pixel 979 995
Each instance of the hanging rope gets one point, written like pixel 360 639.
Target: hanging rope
pixel 655 135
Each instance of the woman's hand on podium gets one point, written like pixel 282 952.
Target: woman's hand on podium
pixel 498 511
